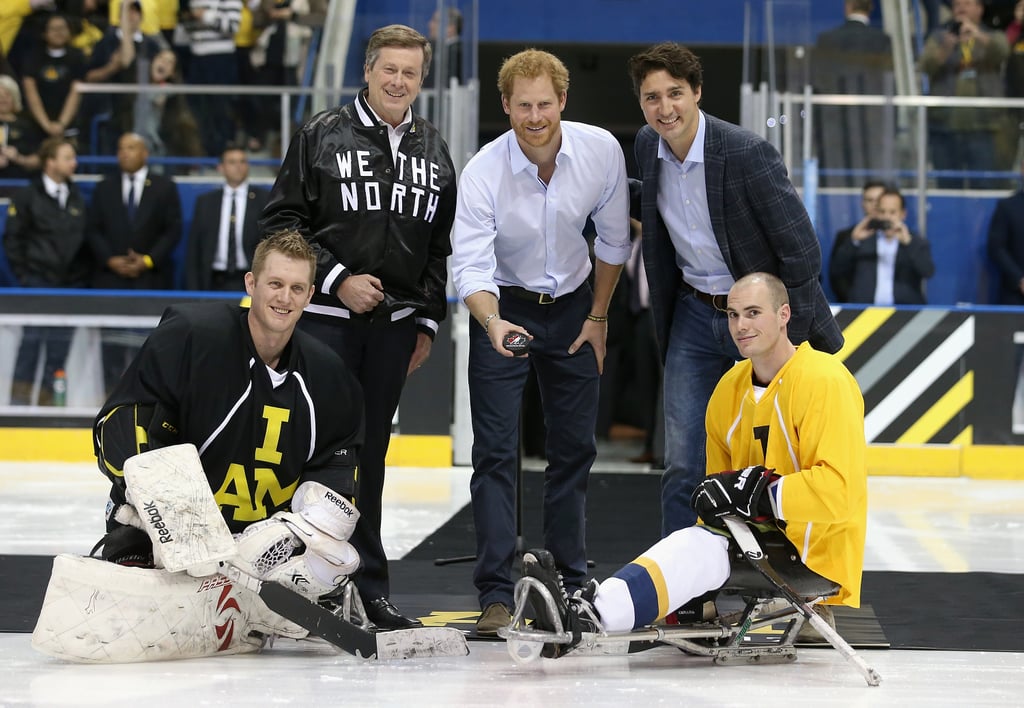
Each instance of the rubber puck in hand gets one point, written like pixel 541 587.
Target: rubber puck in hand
pixel 516 342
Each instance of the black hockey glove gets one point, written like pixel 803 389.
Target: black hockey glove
pixel 741 493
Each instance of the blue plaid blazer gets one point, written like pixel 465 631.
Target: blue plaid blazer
pixel 759 222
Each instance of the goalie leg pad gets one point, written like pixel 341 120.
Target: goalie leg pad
pixel 171 494
pixel 99 612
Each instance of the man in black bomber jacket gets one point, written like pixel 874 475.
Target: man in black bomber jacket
pixel 372 187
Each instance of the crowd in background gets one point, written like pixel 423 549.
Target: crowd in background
pixel 49 47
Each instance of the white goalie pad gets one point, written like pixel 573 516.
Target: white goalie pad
pixel 172 496
pixel 100 612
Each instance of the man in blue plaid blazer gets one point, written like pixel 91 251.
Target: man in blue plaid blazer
pixel 716 204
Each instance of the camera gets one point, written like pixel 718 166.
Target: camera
pixel 879 224
pixel 953 26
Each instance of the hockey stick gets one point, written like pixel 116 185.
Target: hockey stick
pixel 350 638
pixel 755 555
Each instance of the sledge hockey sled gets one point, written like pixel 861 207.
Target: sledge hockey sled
pixel 774 586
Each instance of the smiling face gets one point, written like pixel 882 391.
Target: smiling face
pixel 279 291
pixel 394 82
pixel 535 110
pixel 670 106
pixel 757 326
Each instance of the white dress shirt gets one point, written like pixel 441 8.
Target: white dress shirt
pixel 220 257
pixel 513 229
pixel 57 190
pixel 683 205
pixel 885 273
pixel 138 179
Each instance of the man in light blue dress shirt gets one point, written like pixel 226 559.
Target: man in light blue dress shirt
pixel 521 264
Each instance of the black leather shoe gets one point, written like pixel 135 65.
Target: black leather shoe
pixel 386 616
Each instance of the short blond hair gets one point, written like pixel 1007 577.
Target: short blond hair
pixel 777 292
pixel 289 243
pixel 531 64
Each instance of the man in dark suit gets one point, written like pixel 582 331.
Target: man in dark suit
pixel 1006 247
pixel 716 204
pixel 884 263
pixel 869 195
pixel 224 231
pixel 134 226
pixel 853 58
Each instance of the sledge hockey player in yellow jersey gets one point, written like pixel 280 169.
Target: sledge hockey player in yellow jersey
pixel 788 425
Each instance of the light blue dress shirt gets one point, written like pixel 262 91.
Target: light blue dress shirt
pixel 513 229
pixel 683 205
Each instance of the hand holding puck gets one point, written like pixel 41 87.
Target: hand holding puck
pixel 516 342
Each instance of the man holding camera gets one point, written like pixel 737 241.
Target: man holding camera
pixel 884 263
pixel 965 58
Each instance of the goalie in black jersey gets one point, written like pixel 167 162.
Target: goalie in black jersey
pixel 229 421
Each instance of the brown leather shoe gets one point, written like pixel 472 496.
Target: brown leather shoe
pixel 495 616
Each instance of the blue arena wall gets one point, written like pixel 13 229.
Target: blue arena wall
pixel 957 227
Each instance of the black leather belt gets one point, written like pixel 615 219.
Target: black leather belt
pixel 524 294
pixel 718 302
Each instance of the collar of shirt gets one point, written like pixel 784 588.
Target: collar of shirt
pixel 857 17
pixel 369 118
pixel 137 37
pixel 241 189
pixel 56 53
pixel 52 187
pixel 519 162
pixel 696 152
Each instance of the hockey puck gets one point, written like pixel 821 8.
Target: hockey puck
pixel 516 342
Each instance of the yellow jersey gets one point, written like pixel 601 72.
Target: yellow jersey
pixel 807 424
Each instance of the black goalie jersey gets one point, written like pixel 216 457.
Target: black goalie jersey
pixel 259 432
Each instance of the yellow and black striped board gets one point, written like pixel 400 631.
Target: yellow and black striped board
pixel 936 375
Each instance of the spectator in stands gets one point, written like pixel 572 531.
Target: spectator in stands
pixel 51 77
pixel 134 227
pixel 165 120
pixel 278 54
pixel 46 248
pixel 19 137
pixel 869 195
pixel 13 14
pixel 1006 247
pixel 885 263
pixel 450 47
pixel 88 23
pixel 211 32
pixel 853 58
pixel 122 56
pixel 224 231
pixel 965 58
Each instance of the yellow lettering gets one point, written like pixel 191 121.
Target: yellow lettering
pixel 234 492
pixel 267 485
pixel 275 417
pixel 252 507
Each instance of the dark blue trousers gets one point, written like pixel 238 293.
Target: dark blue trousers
pixel 569 386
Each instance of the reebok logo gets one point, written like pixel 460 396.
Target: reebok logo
pixel 339 502
pixel 157 522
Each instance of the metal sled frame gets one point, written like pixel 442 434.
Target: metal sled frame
pixel 769 598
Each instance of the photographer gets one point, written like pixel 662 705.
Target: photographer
pixel 965 58
pixel 883 261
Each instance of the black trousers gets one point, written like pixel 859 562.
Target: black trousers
pixel 377 354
